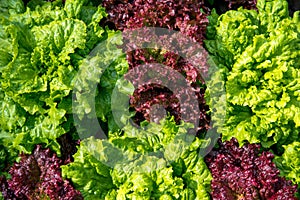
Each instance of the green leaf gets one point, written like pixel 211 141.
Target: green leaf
pixel 289 162
pixel 11 6
pixel 42 47
pixel 157 161
pixel 258 54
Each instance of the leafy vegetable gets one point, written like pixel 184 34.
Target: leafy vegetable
pixel 94 84
pixel 258 53
pixel 42 48
pixel 244 173
pixel 189 18
pixel 159 161
pixel 13 6
pixel 288 163
pixel 56 83
pixel 6 192
pixel 38 176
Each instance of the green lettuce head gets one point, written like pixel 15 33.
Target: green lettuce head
pixel 289 163
pixel 259 55
pixel 159 161
pixel 42 47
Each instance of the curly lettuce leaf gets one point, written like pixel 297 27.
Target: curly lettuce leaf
pixel 258 54
pixel 87 172
pixel 11 6
pixel 42 47
pixel 158 161
pixel 96 80
pixel 289 162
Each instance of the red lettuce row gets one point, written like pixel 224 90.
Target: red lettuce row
pixel 188 17
pixel 145 97
pixel 7 193
pixel 38 176
pixel 245 173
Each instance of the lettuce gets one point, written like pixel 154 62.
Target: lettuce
pixel 258 54
pixel 289 163
pixel 246 172
pixel 11 6
pixel 42 47
pixel 94 84
pixel 158 161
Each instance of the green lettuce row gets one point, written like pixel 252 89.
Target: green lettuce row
pixel 94 84
pixel 158 161
pixel 289 163
pixel 42 49
pixel 259 56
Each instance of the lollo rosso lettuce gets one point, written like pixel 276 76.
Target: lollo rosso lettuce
pixel 186 17
pixel 158 161
pixel 42 47
pixel 245 173
pixel 38 176
pixel 258 54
